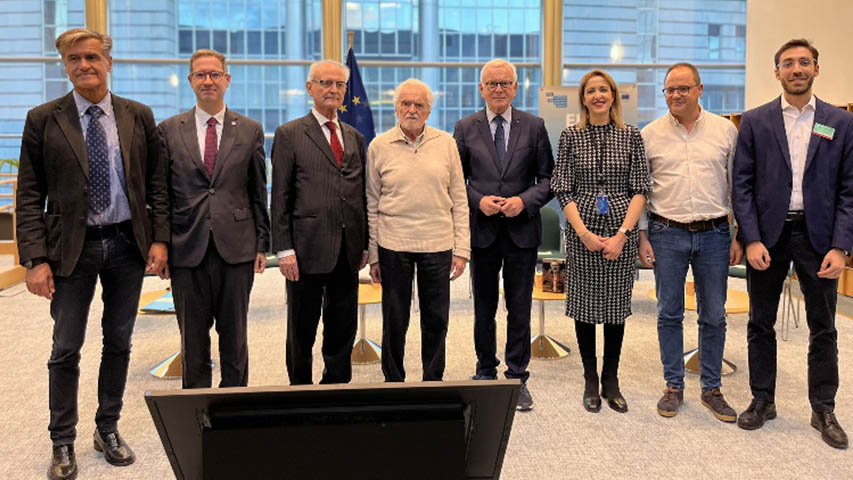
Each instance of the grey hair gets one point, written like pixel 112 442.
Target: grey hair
pixel 313 69
pixel 499 62
pixel 417 83
pixel 69 38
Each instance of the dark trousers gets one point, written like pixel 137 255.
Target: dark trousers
pixel 117 262
pixel 337 293
pixel 433 271
pixel 765 289
pixel 519 268
pixel 214 290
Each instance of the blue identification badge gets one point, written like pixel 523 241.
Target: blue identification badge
pixel 602 205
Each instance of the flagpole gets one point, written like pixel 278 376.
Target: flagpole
pixel 351 35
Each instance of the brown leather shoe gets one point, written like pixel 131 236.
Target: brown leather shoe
pixel 63 464
pixel 670 401
pixel 830 431
pixel 115 450
pixel 713 399
pixel 756 414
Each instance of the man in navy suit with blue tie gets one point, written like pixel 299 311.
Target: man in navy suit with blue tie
pixel 507 161
pixel 792 196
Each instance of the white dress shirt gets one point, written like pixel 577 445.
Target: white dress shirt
pixel 201 118
pixel 690 172
pixel 798 129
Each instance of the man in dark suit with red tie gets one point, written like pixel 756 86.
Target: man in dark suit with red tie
pixel 319 226
pixel 507 161
pixel 792 195
pixel 92 203
pixel 220 227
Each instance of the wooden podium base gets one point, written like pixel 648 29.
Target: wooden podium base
pixel 546 348
pixel 691 363
pixel 365 352
pixel 169 368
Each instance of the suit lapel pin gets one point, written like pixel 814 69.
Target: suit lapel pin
pixel 233 122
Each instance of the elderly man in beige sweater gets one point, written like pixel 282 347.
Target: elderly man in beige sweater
pixel 417 213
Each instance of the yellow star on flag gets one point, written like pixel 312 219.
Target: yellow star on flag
pixel 356 100
pixel 342 108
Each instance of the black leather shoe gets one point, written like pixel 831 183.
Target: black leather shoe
pixel 756 414
pixel 115 450
pixel 483 377
pixel 525 400
pixel 63 465
pixel 591 400
pixel 610 391
pixel 830 431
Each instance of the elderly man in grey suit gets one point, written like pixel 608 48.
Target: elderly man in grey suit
pixel 507 161
pixel 92 204
pixel 319 226
pixel 220 228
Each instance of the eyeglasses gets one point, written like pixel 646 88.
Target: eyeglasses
pixel 682 90
pixel 804 62
pixel 215 76
pixel 494 85
pixel 328 84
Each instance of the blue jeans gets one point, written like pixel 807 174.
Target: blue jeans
pixel 708 253
pixel 117 263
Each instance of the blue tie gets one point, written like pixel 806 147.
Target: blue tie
pixel 99 165
pixel 500 141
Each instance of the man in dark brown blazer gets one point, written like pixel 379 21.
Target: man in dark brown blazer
pixel 319 226
pixel 92 203
pixel 220 228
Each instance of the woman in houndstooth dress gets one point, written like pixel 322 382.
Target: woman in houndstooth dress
pixel 600 178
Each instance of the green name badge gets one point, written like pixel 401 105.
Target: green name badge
pixel 824 131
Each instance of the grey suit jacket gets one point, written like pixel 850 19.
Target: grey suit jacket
pixel 315 204
pixel 526 174
pixel 232 205
pixel 54 169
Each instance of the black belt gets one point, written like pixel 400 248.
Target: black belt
pixel 101 232
pixel 697 226
pixel 795 216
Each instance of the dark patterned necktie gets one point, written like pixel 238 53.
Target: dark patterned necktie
pixel 337 149
pixel 99 165
pixel 210 146
pixel 500 139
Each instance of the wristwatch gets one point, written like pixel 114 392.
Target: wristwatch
pixel 625 231
pixel 29 264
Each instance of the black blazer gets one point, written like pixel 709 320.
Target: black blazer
pixel 232 205
pixel 54 169
pixel 314 201
pixel 762 178
pixel 527 174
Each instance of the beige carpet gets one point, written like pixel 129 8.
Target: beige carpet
pixel 557 440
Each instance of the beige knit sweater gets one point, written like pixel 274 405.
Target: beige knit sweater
pixel 416 196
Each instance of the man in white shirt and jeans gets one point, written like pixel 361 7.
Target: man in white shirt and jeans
pixel 690 152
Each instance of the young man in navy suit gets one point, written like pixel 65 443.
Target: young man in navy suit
pixel 507 161
pixel 793 199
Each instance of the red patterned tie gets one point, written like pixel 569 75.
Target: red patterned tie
pixel 337 149
pixel 210 147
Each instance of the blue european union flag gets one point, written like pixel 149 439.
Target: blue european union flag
pixel 356 109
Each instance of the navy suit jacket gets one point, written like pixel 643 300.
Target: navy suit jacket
pixel 316 205
pixel 526 173
pixel 762 178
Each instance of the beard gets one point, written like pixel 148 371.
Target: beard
pixel 788 88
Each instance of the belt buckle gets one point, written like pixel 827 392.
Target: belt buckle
pixel 694 227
